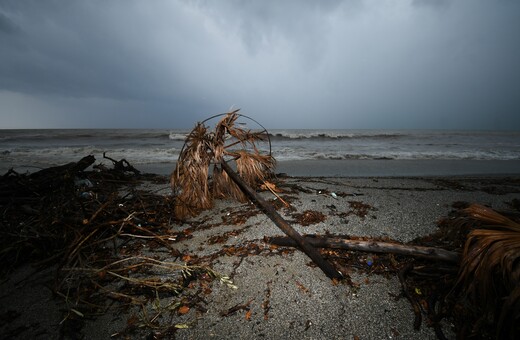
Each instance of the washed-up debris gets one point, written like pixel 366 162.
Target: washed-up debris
pixel 190 181
pixel 97 242
pixel 371 245
pixel 476 288
pixel 309 217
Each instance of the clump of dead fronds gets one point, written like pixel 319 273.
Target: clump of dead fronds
pixel 192 173
pixel 490 272
pixel 230 142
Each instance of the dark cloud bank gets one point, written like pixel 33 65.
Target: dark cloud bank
pixel 291 64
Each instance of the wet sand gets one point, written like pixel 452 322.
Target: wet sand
pixel 379 168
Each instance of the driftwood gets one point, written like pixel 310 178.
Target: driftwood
pixel 299 240
pixel 122 165
pixel 57 172
pixel 372 246
pixel 22 188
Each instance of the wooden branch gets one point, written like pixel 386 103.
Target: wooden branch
pixel 27 189
pixel 62 170
pixel 373 247
pixel 299 240
pixel 122 165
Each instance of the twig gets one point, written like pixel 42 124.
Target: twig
pixel 236 308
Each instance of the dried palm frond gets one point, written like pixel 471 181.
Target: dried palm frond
pixel 225 187
pixel 228 136
pixel 189 180
pixel 242 138
pixel 221 133
pixel 490 270
pixel 228 126
pixel 231 141
pixel 254 168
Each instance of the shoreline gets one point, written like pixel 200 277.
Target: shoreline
pixel 377 168
pixel 343 168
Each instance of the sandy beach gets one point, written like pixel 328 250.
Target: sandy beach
pixel 279 293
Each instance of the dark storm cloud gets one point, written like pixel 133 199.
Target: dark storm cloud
pixel 7 26
pixel 262 24
pixel 70 48
pixel 344 64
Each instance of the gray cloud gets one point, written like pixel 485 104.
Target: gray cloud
pixel 7 26
pixel 336 64
pixel 432 3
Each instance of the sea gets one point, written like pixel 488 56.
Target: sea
pixel 298 152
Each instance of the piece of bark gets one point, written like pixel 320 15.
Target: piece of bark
pixel 373 247
pixel 308 249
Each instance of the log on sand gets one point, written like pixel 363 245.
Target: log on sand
pixel 372 246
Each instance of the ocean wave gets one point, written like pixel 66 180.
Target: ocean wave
pixel 177 135
pixel 332 135
pixel 302 155
pixel 94 134
pixel 144 146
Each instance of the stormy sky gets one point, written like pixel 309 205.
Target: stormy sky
pixel 396 64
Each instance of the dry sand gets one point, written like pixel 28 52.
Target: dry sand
pixel 302 302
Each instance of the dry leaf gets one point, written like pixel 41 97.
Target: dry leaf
pixel 302 287
pixel 270 186
pixel 183 309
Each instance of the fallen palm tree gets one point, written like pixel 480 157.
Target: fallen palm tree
pixel 230 143
pixel 204 150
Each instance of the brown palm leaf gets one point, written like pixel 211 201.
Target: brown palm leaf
pixel 254 168
pixel 242 138
pixel 189 180
pixel 490 269
pixel 221 132
pixel 242 148
pixel 225 187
